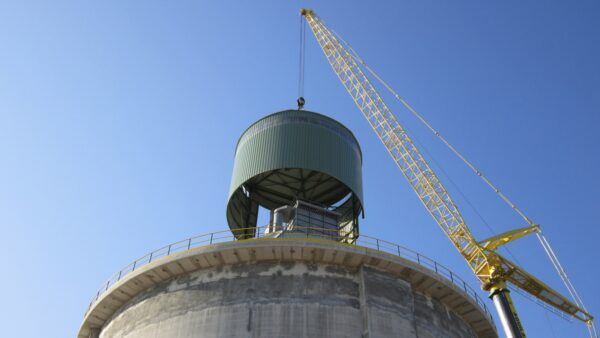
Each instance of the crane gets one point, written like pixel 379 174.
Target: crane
pixel 494 271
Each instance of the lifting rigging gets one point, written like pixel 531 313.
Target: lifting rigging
pixel 494 271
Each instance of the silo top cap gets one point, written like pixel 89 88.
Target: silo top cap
pixel 294 155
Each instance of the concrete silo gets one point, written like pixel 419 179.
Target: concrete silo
pixel 307 273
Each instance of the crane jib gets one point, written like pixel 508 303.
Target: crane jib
pixel 493 270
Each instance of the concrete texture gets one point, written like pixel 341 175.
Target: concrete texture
pixel 284 288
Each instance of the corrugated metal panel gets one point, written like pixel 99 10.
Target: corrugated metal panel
pixel 299 139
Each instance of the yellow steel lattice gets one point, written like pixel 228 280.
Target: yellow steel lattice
pixel 489 267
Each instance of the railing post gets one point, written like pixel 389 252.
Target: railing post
pixel 169 250
pixel 451 277
pixel 150 259
pixel 418 259
pixel 435 266
pixel 119 278
pixel 133 266
pixel 398 246
pixel 211 237
pixel 465 287
pixel 107 284
pixel 377 244
pixel 189 243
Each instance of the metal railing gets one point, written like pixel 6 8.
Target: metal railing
pixel 291 232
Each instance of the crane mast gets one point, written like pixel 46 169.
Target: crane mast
pixel 492 269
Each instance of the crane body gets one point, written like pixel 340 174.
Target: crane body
pixel 493 270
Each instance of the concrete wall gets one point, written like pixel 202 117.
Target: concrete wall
pixel 280 299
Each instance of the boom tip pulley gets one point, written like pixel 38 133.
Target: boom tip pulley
pixel 305 11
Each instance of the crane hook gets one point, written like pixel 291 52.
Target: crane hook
pixel 300 102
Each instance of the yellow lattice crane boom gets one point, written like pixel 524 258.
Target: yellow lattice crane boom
pixel 492 269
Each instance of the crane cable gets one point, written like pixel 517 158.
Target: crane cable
pixel 542 239
pixel 301 63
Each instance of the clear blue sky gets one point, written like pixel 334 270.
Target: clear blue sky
pixel 118 122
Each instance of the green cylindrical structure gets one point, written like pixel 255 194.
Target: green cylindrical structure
pixel 291 155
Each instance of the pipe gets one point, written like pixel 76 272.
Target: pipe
pixel 507 313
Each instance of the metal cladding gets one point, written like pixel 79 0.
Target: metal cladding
pixel 290 155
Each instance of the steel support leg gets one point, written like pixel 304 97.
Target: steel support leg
pixel 506 311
